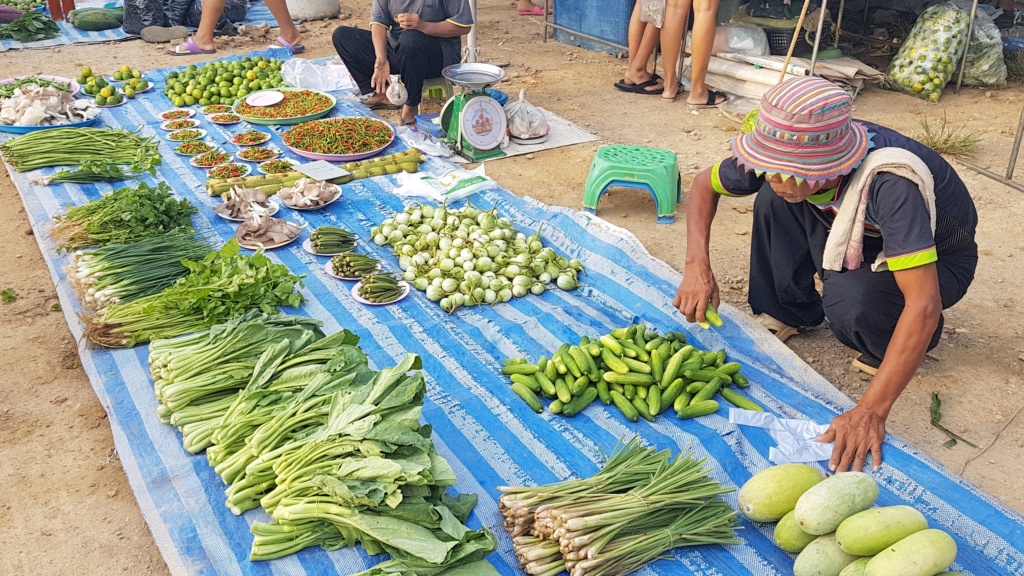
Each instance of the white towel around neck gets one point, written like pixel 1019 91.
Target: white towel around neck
pixel 845 244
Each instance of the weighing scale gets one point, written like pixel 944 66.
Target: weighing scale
pixel 474 123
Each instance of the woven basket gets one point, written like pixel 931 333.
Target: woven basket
pixel 779 39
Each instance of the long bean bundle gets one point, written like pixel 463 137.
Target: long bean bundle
pixel 221 286
pixel 75 146
pixel 123 216
pixel 126 272
pixel 637 508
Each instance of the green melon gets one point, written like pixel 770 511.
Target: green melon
pixel 856 568
pixel 869 532
pixel 923 553
pixel 823 557
pixel 790 537
pixel 772 493
pixel 825 505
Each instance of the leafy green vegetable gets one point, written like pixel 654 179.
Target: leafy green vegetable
pixel 8 296
pixel 77 146
pixel 223 285
pixel 123 216
pixel 30 27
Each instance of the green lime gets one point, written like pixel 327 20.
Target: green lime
pixel 101 101
pixel 189 100
pixel 86 71
pixel 179 101
pixel 129 92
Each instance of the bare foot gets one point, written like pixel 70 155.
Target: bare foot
pixel 701 98
pixel 671 91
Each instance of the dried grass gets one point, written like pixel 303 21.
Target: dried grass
pixel 1015 67
pixel 944 138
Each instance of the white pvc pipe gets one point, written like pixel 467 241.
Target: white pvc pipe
pixel 471 53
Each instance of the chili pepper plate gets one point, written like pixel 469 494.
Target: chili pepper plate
pixel 382 138
pixel 176 114
pixel 293 109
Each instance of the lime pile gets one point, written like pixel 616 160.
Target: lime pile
pixel 133 80
pixel 24 5
pixel 105 93
pixel 222 82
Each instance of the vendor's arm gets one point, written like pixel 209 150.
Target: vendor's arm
pixel 897 206
pixel 699 287
pixel 381 67
pixel 862 429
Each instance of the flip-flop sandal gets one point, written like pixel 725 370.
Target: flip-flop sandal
pixel 712 101
pixel 776 327
pixel 161 34
pixel 282 43
pixel 189 48
pixel 641 88
pixel 378 105
pixel 866 364
pixel 537 11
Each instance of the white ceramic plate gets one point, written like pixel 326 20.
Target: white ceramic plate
pixel 202 134
pixel 246 170
pixel 307 245
pixel 360 299
pixel 193 124
pixel 272 207
pixel 277 153
pixel 266 138
pixel 188 114
pixel 121 103
pixel 287 205
pixel 267 246
pixel 264 98
pixel 288 160
pixel 329 269
pixel 192 161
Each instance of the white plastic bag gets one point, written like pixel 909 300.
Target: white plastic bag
pixel 396 92
pixel 652 11
pixel 798 439
pixel 302 73
pixel 453 185
pixel 739 38
pixel 524 119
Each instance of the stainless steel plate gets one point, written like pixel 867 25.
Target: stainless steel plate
pixel 473 75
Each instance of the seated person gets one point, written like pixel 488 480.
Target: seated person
pixel 413 39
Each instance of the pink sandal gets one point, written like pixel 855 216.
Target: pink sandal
pixel 189 48
pixel 282 43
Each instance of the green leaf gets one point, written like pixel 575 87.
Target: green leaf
pixel 8 296
pixel 56 307
pixel 936 411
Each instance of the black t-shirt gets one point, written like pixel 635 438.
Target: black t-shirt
pixel 896 210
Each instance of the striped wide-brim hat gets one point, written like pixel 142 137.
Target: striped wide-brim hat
pixel 804 130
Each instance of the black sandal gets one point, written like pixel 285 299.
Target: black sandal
pixel 712 101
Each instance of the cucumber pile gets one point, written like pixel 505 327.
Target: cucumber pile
pixel 638 370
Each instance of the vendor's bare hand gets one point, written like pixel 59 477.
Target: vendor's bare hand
pixel 855 433
pixel 408 20
pixel 697 289
pixel 381 76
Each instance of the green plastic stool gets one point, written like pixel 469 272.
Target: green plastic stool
pixel 438 88
pixel 652 169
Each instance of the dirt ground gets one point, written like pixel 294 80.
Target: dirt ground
pixel 67 507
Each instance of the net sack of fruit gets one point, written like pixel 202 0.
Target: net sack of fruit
pixel 929 55
pixel 984 64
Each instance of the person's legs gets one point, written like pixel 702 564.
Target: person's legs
pixel 643 38
pixel 701 43
pixel 212 10
pixel 418 57
pixel 355 48
pixel 279 8
pixel 786 245
pixel 676 12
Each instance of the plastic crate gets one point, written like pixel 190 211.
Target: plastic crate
pixel 779 39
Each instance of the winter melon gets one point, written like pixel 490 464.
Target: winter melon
pixel 825 505
pixel 923 553
pixel 772 493
pixel 790 537
pixel 856 568
pixel 823 557
pixel 869 532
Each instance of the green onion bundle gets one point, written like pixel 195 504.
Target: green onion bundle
pixel 332 240
pixel 76 146
pixel 221 286
pixel 126 272
pixel 352 265
pixel 637 508
pixel 125 215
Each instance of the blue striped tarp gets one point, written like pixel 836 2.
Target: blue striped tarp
pixel 258 13
pixel 490 437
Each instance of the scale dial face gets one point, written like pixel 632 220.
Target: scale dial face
pixel 483 123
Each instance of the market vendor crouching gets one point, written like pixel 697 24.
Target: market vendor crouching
pixel 885 223
pixel 409 38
